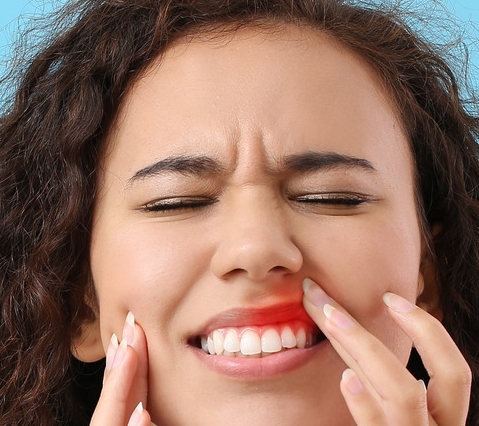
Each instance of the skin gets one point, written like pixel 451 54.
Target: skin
pixel 250 103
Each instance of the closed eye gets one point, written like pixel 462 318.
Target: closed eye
pixel 178 204
pixel 332 199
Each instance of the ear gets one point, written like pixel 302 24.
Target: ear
pixel 428 285
pixel 87 345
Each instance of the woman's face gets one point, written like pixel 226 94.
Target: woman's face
pixel 235 170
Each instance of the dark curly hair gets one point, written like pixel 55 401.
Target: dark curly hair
pixel 50 144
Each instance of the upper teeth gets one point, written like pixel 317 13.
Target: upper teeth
pixel 256 341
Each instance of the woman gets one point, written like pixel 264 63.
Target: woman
pixel 193 170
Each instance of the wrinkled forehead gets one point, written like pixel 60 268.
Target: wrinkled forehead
pixel 230 86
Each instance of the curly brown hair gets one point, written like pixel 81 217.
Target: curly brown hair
pixel 50 145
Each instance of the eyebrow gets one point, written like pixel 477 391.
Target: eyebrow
pixel 187 165
pixel 312 161
pixel 192 165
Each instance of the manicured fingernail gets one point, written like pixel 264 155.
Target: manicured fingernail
pixel 136 415
pixel 352 382
pixel 398 303
pixel 120 354
pixel 337 317
pixel 111 351
pixel 423 384
pixel 129 329
pixel 315 294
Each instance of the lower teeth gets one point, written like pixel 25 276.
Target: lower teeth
pixel 241 355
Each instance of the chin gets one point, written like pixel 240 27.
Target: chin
pixel 300 395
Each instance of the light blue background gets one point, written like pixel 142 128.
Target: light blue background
pixel 13 13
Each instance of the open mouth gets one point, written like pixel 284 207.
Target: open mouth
pixel 258 341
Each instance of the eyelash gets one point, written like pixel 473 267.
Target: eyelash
pixel 178 204
pixel 339 199
pixel 185 203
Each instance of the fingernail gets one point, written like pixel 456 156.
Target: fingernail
pixel 315 294
pixel 136 415
pixel 352 382
pixel 423 384
pixel 129 329
pixel 398 303
pixel 120 354
pixel 111 351
pixel 337 317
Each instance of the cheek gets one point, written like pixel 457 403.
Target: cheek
pixel 354 262
pixel 362 263
pixel 140 269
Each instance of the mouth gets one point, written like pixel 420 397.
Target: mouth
pixel 258 341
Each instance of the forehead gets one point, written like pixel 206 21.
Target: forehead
pixel 292 85
pixel 250 57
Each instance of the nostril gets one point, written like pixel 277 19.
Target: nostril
pixel 279 270
pixel 234 273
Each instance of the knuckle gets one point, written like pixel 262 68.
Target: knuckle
pixel 375 418
pixel 464 376
pixel 410 401
pixel 458 375
pixel 413 397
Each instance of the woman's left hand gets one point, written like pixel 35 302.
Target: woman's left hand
pixel 377 387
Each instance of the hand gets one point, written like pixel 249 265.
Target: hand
pixel 378 389
pixel 125 384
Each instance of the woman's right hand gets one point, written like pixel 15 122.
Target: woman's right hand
pixel 125 383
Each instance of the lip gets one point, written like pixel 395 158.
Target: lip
pixel 269 315
pixel 276 364
pixel 248 369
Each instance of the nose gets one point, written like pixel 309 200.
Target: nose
pixel 254 239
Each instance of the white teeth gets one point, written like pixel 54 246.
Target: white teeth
pixel 250 343
pixel 301 338
pixel 288 339
pixel 218 341
pixel 270 341
pixel 204 343
pixel 231 342
pixel 211 346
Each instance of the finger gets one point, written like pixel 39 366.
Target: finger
pixel 450 376
pixel 125 381
pixel 363 402
pixel 110 354
pixel 139 417
pixel 362 405
pixel 402 399
pixel 314 301
pixel 135 337
pixel 114 404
